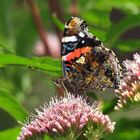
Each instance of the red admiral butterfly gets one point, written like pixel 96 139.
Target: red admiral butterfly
pixel 87 64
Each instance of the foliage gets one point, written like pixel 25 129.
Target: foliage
pixel 25 79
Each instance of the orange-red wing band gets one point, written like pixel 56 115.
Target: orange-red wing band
pixel 77 53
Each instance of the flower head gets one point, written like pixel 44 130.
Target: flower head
pixel 129 90
pixel 68 117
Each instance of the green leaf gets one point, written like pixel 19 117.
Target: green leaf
pixel 108 107
pixel 21 36
pixel 125 135
pixel 93 19
pixel 9 104
pixel 10 134
pixel 5 14
pixel 126 129
pixel 58 23
pixel 46 137
pixel 98 33
pixel 128 45
pixel 47 64
pixel 121 27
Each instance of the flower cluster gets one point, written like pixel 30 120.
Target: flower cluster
pixel 68 118
pixel 129 90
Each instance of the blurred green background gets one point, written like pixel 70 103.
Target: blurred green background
pixel 30 41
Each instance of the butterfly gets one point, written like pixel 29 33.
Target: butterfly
pixel 87 65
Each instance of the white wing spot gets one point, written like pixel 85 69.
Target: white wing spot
pixel 69 39
pixel 64 57
pixel 81 60
pixel 83 41
pixel 81 34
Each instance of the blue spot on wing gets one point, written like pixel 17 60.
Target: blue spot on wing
pixel 66 48
pixel 65 68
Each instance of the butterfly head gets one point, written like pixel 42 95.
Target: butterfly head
pixel 74 26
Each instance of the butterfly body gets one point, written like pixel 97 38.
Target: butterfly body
pixel 87 64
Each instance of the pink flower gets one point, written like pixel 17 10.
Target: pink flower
pixel 129 90
pixel 68 117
